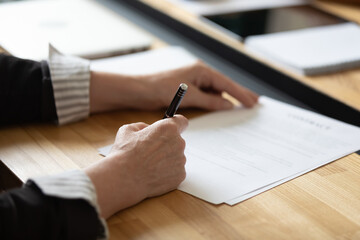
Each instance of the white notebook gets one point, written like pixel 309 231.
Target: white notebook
pixel 77 27
pixel 147 62
pixel 312 51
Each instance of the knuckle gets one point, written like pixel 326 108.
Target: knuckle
pixel 182 118
pixel 163 128
pixel 186 121
pixel 180 174
pixel 171 127
pixel 182 121
pixel 199 64
pixel 183 161
pixel 197 67
pixel 182 144
pixel 210 104
pixel 183 175
pixel 124 127
pixel 131 127
pixel 214 103
pixel 141 125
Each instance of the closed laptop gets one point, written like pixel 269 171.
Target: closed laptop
pixel 78 27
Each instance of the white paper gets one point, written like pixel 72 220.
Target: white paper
pixel 233 155
pixel 265 188
pixel 105 150
pixel 311 51
pixel 148 62
pixel 213 7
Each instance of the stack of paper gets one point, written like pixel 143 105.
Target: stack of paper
pixel 237 154
pixel 311 51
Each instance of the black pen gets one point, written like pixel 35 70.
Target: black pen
pixel 175 103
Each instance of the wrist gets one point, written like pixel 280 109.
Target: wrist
pixel 114 186
pixel 153 95
pixel 114 91
pixel 159 89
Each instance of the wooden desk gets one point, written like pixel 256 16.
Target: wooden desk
pixel 323 204
pixel 343 87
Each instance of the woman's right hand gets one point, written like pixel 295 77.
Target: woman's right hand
pixel 145 161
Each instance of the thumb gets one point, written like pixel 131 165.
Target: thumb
pixel 179 122
pixel 139 126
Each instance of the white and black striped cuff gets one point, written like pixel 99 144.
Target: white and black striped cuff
pixel 71 81
pixel 74 184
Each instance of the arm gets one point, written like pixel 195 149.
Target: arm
pixel 25 91
pixel 29 92
pixel 27 213
pixel 113 91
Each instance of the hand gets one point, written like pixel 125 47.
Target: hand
pixel 145 161
pixel 113 91
pixel 206 86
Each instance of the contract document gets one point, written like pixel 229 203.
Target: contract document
pixel 236 154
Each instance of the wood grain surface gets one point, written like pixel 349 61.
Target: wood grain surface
pixel 323 204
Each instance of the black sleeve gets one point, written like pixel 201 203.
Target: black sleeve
pixel 26 213
pixel 26 93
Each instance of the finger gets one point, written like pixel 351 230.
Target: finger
pixel 250 96
pixel 133 127
pixel 222 83
pixel 139 126
pixel 176 124
pixel 181 121
pixel 253 95
pixel 242 94
pixel 210 101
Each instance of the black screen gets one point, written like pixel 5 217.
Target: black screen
pixel 274 20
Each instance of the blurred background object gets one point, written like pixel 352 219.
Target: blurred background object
pixel 342 1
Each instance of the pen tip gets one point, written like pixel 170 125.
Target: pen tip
pixel 183 86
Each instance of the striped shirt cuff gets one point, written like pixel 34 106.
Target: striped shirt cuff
pixel 73 184
pixel 71 81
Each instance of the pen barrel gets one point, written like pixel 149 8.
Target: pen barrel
pixel 174 105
